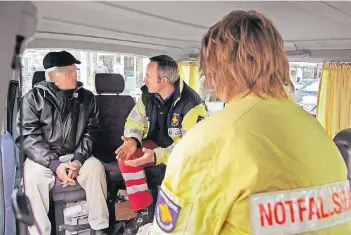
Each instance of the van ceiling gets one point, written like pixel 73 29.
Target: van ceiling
pixel 312 31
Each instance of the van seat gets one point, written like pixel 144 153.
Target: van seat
pixel 113 113
pixel 38 76
pixel 114 110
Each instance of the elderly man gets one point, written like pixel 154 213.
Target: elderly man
pixel 60 121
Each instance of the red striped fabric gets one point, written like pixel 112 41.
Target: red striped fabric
pixel 138 193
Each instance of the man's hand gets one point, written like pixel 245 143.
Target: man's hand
pixel 61 172
pixel 127 149
pixel 148 157
pixel 74 173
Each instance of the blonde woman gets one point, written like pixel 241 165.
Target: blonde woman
pixel 262 165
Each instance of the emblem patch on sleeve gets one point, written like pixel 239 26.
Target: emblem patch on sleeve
pixel 167 213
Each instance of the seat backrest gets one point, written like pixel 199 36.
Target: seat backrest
pixel 38 76
pixel 343 142
pixel 114 110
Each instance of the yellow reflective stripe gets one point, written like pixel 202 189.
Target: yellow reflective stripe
pixel 137 116
pixel 136 188
pixel 132 127
pixel 133 132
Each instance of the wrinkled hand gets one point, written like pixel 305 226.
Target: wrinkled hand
pixel 61 172
pixel 148 157
pixel 74 173
pixel 127 149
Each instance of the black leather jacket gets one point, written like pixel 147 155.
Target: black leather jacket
pixel 58 122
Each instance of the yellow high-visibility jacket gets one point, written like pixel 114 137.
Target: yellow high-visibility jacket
pixel 258 166
pixel 186 110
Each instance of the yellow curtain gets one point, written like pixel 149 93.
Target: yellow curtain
pixel 189 73
pixel 334 99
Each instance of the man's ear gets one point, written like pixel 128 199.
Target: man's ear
pixel 51 76
pixel 161 80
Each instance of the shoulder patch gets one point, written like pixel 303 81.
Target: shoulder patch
pixel 167 212
pixel 199 118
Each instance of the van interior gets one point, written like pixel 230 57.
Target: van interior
pixel 117 38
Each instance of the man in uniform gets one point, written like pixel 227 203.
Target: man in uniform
pixel 167 109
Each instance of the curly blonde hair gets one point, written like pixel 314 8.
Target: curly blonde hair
pixel 244 53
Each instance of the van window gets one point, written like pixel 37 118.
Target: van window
pixel 133 68
pixel 305 77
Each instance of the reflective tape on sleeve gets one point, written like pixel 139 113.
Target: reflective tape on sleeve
pixel 137 117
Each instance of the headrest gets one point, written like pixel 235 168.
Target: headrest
pixel 343 138
pixel 109 83
pixel 38 76
pixel 343 142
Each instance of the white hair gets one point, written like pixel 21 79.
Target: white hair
pixel 47 71
pixel 53 69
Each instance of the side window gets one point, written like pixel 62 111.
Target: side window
pixel 133 68
pixel 213 104
pixel 306 79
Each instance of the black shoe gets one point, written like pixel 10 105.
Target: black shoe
pixel 144 216
pixel 101 232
